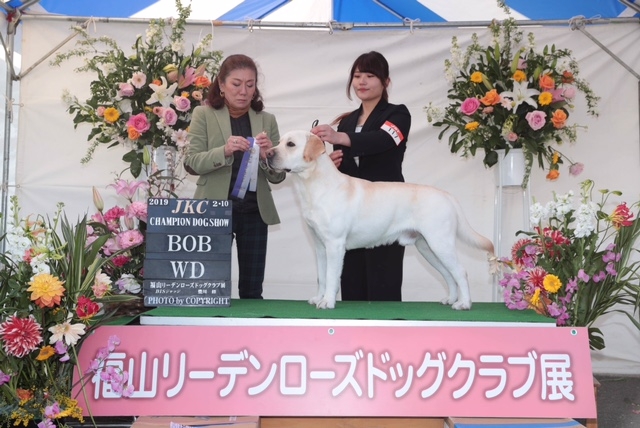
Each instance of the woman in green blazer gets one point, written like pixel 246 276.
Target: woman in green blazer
pixel 220 135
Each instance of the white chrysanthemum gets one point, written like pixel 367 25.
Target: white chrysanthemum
pixel 536 214
pixel 586 220
pixel 564 204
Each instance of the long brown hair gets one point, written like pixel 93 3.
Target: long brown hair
pixel 231 63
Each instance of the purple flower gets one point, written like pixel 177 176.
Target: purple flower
pixel 47 423
pixel 611 269
pixel 4 378
pixel 52 411
pixel 582 276
pixel 600 276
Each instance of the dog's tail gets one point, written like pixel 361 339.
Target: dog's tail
pixel 466 233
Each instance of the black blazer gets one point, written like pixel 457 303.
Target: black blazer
pixel 380 156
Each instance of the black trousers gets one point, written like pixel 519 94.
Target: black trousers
pixel 373 274
pixel 250 233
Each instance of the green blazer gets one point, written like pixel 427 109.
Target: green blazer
pixel 208 132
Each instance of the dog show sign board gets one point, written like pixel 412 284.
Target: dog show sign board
pixel 188 253
pixel 351 370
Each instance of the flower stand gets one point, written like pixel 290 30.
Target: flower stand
pixel 510 186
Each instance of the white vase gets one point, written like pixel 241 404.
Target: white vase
pixel 161 171
pixel 510 170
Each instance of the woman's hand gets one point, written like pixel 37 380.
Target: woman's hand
pixel 328 134
pixel 235 144
pixel 264 142
pixel 336 157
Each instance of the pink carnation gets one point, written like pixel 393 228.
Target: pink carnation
pixel 130 238
pixel 138 209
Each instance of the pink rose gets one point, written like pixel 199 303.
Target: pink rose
pixel 536 119
pixel 126 89
pixel 139 122
pixel 100 111
pixel 557 95
pixel 197 95
pixel 487 110
pixel 182 103
pixel 512 137
pixel 469 106
pixel 170 116
pixel 158 111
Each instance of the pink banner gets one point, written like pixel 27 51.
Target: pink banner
pixel 345 371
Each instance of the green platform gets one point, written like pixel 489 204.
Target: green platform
pixel 409 311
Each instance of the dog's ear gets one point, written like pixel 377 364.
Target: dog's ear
pixel 314 148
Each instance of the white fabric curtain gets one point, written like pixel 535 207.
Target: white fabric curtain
pixel 303 77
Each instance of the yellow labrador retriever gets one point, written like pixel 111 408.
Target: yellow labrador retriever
pixel 344 213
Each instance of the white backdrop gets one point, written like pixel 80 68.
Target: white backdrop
pixel 303 77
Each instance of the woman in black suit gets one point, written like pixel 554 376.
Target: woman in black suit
pixel 369 143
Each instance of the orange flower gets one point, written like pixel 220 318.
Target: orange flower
pixel 202 82
pixel 132 133
pixel 46 290
pixel 567 77
pixel 476 77
pixel 553 175
pixel 491 98
pixel 547 83
pixel 24 394
pixel 471 126
pixel 519 76
pixel 46 352
pixel 559 119
pixel 157 82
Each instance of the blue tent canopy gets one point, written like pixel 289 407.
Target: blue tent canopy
pixel 373 11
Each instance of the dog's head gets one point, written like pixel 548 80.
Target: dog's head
pixel 295 152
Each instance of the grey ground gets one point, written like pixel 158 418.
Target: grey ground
pixel 618 401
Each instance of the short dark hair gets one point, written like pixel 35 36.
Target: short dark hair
pixel 371 62
pixel 231 63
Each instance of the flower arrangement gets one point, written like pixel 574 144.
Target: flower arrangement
pixel 145 99
pixel 510 95
pixel 53 295
pixel 578 263
pixel 125 228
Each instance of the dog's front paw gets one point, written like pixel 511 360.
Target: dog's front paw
pixel 325 303
pixel 448 301
pixel 315 300
pixel 461 305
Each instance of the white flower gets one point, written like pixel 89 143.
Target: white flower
pixel 180 137
pixel 521 94
pixel 536 214
pixel 138 79
pixel 586 220
pixel 66 331
pixel 128 284
pixel 162 94
pixel 564 204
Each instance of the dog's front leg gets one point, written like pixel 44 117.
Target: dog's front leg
pixel 334 260
pixel 321 266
